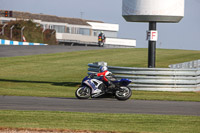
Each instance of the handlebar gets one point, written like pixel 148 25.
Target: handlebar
pixel 92 75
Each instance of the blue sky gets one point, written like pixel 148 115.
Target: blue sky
pixel 183 35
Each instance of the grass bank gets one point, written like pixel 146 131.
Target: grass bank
pixel 100 121
pixel 32 32
pixel 58 75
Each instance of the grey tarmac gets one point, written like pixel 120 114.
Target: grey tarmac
pixel 99 105
pixel 11 50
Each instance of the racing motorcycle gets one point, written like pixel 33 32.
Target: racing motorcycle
pixel 100 41
pixel 121 91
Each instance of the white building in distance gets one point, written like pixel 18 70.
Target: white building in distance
pixel 73 30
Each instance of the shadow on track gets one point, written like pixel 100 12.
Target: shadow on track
pixel 68 84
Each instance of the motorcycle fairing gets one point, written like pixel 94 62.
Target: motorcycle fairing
pixel 125 82
pixel 90 84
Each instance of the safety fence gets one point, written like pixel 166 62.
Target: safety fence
pixel 155 79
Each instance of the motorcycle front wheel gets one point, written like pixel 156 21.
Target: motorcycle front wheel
pixel 83 92
pixel 124 93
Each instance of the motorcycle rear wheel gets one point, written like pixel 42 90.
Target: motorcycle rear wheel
pixel 83 92
pixel 124 93
pixel 101 44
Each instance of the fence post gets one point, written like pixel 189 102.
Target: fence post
pixel 22 33
pixel 11 31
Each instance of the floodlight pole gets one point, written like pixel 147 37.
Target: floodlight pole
pixel 152 48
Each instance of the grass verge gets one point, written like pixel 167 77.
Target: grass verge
pixel 100 121
pixel 58 75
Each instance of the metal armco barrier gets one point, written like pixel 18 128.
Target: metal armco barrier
pixel 155 79
pixel 190 64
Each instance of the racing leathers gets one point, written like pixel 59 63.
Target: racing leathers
pixel 107 78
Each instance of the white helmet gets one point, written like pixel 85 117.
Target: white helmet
pixel 103 68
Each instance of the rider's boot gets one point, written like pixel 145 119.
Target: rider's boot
pixel 111 86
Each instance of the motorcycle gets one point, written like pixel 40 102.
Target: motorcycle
pixel 121 91
pixel 100 41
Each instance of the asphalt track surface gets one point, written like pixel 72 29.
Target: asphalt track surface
pixel 10 51
pixel 92 105
pixel 105 105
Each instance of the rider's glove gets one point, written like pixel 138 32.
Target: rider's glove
pixel 92 75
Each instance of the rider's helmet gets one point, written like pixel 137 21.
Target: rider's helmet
pixel 103 68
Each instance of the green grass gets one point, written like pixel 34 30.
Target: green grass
pixel 100 121
pixel 169 96
pixel 58 75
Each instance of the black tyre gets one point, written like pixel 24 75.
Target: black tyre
pixel 83 92
pixel 101 44
pixel 124 93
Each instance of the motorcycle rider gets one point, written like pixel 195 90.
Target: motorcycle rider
pixel 103 37
pixel 107 78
